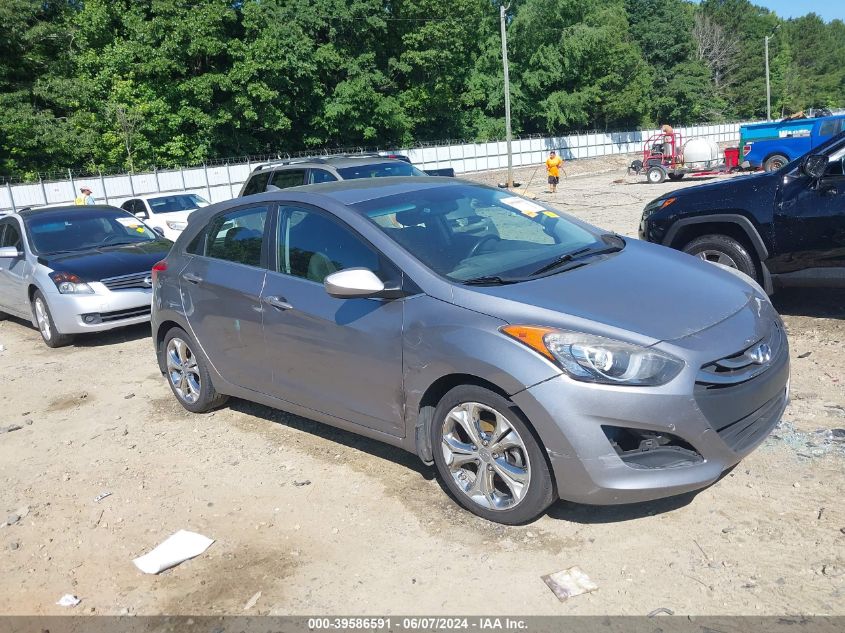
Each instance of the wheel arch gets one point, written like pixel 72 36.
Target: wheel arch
pixel 731 224
pixel 160 334
pixel 438 389
pixel 428 403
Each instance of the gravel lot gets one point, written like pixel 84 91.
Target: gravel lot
pixel 322 521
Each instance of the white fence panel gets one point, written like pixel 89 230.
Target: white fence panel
pixel 223 181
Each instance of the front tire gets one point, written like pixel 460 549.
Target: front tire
pixel 44 319
pixel 187 373
pixel 488 457
pixel 656 175
pixel 721 249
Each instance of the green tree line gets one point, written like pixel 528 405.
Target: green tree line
pixel 127 84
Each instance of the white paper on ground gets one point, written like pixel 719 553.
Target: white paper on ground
pixel 68 600
pixel 174 550
pixel 570 582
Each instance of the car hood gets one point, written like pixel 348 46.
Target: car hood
pixel 720 190
pixel 109 261
pixel 645 293
pixel 174 216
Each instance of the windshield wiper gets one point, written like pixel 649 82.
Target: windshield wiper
pixel 492 280
pixel 581 253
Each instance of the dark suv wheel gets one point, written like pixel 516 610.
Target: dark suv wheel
pixel 725 250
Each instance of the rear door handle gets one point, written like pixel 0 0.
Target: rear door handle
pixel 278 302
pixel 191 277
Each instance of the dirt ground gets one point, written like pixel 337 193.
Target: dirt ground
pixel 324 522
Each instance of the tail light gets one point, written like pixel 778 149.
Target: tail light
pixel 746 148
pixel 158 267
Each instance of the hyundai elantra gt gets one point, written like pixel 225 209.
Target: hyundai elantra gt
pixel 527 355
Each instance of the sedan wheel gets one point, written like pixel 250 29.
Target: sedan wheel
pixel 187 372
pixel 42 319
pixel 183 370
pixel 486 456
pixel 489 458
pixel 46 325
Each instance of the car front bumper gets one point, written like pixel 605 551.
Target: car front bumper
pixel 721 426
pixel 104 310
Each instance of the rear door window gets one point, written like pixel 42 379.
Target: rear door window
pixel 285 178
pixel 237 236
pixel 257 183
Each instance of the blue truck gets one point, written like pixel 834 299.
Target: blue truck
pixel 773 144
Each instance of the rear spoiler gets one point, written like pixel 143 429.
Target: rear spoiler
pixel 449 171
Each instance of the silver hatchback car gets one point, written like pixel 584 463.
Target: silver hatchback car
pixel 77 269
pixel 541 358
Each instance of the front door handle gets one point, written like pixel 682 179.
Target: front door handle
pixel 279 303
pixel 191 277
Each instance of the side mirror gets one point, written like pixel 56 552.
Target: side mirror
pixel 142 215
pixel 159 230
pixel 10 252
pixel 815 166
pixel 353 283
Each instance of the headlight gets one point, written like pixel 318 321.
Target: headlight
pixel 70 284
pixel 177 226
pixel 657 205
pixel 598 359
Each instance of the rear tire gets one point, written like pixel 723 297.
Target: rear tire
pixel 488 458
pixel 724 250
pixel 773 163
pixel 187 373
pixel 676 176
pixel 44 319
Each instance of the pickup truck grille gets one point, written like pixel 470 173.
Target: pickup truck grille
pixel 142 280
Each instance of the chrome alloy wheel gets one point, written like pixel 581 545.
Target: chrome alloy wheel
pixel 717 257
pixel 486 456
pixel 42 319
pixel 183 371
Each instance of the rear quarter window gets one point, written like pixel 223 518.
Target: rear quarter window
pixel 257 183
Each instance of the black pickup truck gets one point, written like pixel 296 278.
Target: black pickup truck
pixel 783 228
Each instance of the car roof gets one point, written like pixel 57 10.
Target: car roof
pixel 86 208
pixel 163 194
pixel 362 189
pixel 332 161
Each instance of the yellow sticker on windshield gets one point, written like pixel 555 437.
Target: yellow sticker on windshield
pixel 551 214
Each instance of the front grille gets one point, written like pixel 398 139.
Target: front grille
pixel 142 280
pixel 745 364
pixel 119 315
pixel 743 395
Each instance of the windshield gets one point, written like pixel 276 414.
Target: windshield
pixel 469 232
pixel 180 202
pixel 379 170
pixel 79 230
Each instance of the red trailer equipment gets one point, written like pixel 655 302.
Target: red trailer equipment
pixel 663 158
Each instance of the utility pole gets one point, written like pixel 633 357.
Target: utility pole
pixel 768 85
pixel 508 133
